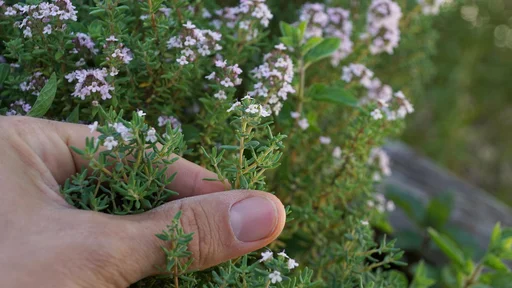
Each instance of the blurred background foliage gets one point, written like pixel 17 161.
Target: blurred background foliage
pixel 464 95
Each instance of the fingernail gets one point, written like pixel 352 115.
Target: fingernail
pixel 253 219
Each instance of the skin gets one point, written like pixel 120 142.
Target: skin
pixel 45 242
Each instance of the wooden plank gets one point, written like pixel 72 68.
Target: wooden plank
pixel 475 211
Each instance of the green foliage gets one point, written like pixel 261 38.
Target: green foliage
pixel 260 115
pixel 45 98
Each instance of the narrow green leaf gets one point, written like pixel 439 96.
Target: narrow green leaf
pixel 302 30
pixel 229 147
pixel 439 210
pixel 449 248
pixel 322 50
pixel 74 116
pixel 495 263
pixel 58 55
pixel 5 69
pixel 45 99
pixel 496 235
pixel 421 279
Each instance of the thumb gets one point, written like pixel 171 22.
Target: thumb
pixel 225 225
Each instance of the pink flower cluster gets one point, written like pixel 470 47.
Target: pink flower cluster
pixel 393 105
pixel 34 83
pixel 19 107
pixel 246 18
pixel 226 77
pixel 383 26
pixel 193 42
pixel 329 22
pixel 90 82
pixel 81 41
pixel 40 17
pixel 275 77
pixel 175 123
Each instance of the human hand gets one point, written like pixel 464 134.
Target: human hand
pixel 46 242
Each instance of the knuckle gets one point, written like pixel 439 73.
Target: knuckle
pixel 207 241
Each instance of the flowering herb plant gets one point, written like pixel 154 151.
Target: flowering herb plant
pixel 292 108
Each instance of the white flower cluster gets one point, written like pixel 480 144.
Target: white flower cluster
pixel 173 121
pixel 34 83
pixel 380 158
pixel 247 16
pixel 193 42
pixel 42 15
pixel 329 22
pixel 17 106
pixel 431 7
pixel 248 107
pixel 275 77
pixel 383 21
pixel 275 276
pixel 81 41
pixel 89 82
pixel 382 204
pixel 226 77
pixel 393 105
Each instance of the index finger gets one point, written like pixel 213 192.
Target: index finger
pixel 51 142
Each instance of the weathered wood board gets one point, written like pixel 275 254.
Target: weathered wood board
pixel 475 210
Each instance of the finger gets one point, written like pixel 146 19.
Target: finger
pixel 50 141
pixel 225 225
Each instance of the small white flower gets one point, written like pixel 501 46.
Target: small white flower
pixel 221 64
pixel 182 60
pixel 365 222
pixel 303 123
pixel 265 111
pixel 211 76
pixel 325 140
pixel 47 29
pixel 227 83
pixel 267 255
pixel 113 71
pixel 151 137
pixel 110 143
pixel 189 25
pixel 280 47
pixel 141 113
pixel 292 264
pixel 283 254
pixel 253 109
pixel 221 95
pixel 80 62
pixel 336 153
pixel 390 206
pixel 112 38
pixel 295 115
pixel 376 114
pixel 275 277
pixel 93 126
pixel 236 104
